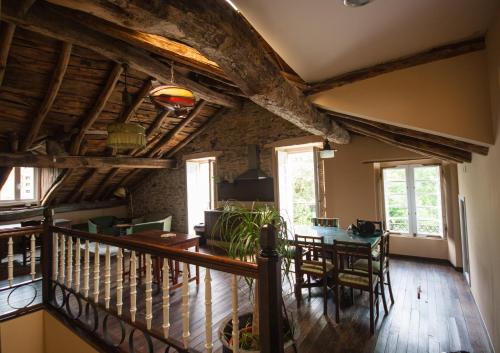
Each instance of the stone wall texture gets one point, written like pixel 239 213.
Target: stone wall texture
pixel 165 190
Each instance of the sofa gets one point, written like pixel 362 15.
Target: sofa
pixel 103 225
pixel 152 221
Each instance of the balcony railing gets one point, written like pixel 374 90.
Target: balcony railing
pixel 92 283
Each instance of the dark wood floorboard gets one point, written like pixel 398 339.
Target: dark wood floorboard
pixel 445 317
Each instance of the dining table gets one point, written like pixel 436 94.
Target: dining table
pixel 330 234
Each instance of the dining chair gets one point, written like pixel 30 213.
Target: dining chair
pixel 326 222
pixel 380 268
pixel 345 276
pixel 311 261
pixel 379 228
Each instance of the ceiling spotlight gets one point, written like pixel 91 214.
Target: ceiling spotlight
pixel 356 3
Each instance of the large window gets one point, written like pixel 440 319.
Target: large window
pixel 21 186
pixel 200 190
pixel 297 184
pixel 413 200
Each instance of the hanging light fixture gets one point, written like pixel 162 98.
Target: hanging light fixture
pixel 173 97
pixel 126 135
pixel 327 151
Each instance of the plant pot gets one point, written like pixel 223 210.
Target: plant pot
pixel 226 330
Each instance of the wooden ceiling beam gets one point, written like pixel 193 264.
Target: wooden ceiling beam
pixel 103 187
pixel 409 143
pixel 437 53
pixel 45 161
pixel 221 34
pixel 139 98
pixel 171 134
pixel 57 22
pixel 446 141
pixel 80 187
pixel 50 96
pixel 161 46
pixel 6 35
pixel 55 187
pixel 217 116
pixel 97 108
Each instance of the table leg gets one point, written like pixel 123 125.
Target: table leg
pixel 197 249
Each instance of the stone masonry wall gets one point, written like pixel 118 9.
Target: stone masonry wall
pixel 165 190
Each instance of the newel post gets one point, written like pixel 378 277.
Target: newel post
pixel 270 295
pixel 46 258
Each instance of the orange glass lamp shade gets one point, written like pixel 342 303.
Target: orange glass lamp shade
pixel 172 97
pixel 126 136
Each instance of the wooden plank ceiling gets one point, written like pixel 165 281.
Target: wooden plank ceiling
pixel 31 65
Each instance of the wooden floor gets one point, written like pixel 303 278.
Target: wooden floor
pixel 445 317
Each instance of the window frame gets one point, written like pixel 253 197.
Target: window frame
pixel 17 190
pixel 412 219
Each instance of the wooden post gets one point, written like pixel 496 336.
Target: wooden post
pixel 270 295
pixel 46 259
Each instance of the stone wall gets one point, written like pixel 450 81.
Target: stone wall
pixel 165 190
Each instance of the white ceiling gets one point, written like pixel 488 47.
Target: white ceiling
pixel 322 38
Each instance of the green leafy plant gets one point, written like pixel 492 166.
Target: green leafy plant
pixel 239 228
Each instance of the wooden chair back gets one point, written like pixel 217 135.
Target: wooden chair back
pixel 379 225
pixel 384 251
pixel 343 252
pixel 309 248
pixel 326 222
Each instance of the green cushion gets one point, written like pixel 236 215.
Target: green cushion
pixel 103 221
pixel 155 218
pixel 362 264
pixel 315 267
pixel 351 279
pixel 103 225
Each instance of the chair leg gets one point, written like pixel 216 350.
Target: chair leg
pixel 337 304
pixel 382 292
pixel 390 286
pixel 372 319
pixel 325 296
pixel 298 288
pixel 377 298
pixel 309 283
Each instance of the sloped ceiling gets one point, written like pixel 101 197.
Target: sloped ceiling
pixel 323 38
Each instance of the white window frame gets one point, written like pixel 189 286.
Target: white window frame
pixel 410 185
pixel 17 190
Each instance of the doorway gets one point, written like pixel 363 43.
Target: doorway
pixel 200 190
pixel 297 184
pixel 465 239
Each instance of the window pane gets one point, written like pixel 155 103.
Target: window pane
pixel 27 183
pixel 396 200
pixel 429 219
pixel 8 192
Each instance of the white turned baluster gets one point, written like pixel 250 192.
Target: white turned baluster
pixel 235 333
pixel 62 258
pixel 119 281
pixel 208 311
pixel 55 256
pixel 133 285
pixel 33 256
pixel 69 264
pixel 10 261
pixel 96 273
pixel 86 269
pixel 77 265
pixel 166 299
pixel 107 277
pixel 149 291
pixel 185 305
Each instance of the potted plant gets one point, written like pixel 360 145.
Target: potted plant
pixel 239 229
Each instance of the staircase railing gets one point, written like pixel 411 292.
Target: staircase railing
pixel 91 281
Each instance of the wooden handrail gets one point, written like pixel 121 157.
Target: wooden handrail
pixel 219 263
pixel 20 231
